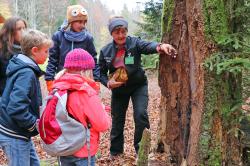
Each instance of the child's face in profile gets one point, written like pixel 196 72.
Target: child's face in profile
pixel 78 26
pixel 40 55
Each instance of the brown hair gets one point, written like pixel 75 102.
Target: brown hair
pixel 7 35
pixel 33 38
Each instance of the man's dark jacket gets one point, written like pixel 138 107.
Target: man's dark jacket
pixel 134 47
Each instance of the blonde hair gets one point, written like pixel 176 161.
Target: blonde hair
pixel 34 38
pixel 84 73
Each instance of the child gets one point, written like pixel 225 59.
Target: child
pixel 83 102
pixel 21 100
pixel 74 35
pixel 10 36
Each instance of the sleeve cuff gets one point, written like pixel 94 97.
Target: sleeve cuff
pixel 32 128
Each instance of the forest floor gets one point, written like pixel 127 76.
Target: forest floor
pixel 128 158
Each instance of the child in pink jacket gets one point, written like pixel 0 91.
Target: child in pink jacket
pixel 83 102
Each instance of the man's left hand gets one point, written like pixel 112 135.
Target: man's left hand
pixel 167 49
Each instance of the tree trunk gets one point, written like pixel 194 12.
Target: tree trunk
pixel 144 148
pixel 192 125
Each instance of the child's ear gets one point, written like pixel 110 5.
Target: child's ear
pixel 34 50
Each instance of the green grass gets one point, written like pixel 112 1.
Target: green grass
pixel 48 163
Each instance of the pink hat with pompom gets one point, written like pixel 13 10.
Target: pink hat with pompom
pixel 79 59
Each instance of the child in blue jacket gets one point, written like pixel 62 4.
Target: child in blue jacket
pixel 73 35
pixel 22 99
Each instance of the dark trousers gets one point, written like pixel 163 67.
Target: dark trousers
pixel 119 104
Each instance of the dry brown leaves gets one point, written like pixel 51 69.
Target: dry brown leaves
pixel 128 158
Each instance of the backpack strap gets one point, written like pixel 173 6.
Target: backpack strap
pixel 88 146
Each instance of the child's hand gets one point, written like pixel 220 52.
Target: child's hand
pixel 106 108
pixel 49 85
pixel 114 84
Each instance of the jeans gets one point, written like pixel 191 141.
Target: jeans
pixel 76 161
pixel 119 105
pixel 19 152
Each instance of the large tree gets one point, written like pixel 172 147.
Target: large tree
pixel 201 89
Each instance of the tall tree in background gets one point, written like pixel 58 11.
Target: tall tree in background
pixel 200 104
pixel 53 13
pixel 150 27
pixel 29 10
pixel 131 17
pixel 48 15
pixel 45 15
pixel 98 15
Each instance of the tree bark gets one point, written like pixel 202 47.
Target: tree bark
pixel 182 82
pixel 193 99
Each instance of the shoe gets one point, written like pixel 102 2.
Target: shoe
pixel 114 156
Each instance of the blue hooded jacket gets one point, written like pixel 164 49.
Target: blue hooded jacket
pixel 21 98
pixel 65 41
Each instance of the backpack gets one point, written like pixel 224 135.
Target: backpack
pixel 61 134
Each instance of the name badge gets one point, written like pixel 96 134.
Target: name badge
pixel 129 60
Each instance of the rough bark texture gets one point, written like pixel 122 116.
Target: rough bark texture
pixel 182 82
pixel 219 143
pixel 194 124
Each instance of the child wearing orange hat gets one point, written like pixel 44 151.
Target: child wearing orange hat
pixel 73 35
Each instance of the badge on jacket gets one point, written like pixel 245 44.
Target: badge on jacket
pixel 129 60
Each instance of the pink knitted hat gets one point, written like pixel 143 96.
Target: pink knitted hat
pixel 79 59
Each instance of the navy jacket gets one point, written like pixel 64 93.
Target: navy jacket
pixel 134 47
pixel 65 42
pixel 21 98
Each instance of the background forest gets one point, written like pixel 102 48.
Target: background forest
pixel 47 15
